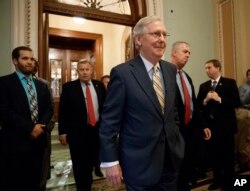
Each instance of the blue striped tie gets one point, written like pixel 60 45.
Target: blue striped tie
pixel 32 101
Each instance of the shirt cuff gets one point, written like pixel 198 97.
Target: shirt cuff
pixel 109 164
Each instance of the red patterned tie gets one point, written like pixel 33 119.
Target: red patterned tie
pixel 91 113
pixel 186 99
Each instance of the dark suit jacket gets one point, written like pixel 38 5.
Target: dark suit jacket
pixel 197 123
pixel 220 117
pixel 73 110
pixel 15 114
pixel 132 110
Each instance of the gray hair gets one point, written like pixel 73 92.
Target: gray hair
pixel 177 44
pixel 140 29
pixel 84 61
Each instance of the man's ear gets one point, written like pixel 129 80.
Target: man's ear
pixel 14 60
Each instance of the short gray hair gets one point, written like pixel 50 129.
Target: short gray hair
pixel 85 61
pixel 177 44
pixel 140 29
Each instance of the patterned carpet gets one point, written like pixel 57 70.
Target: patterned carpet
pixel 98 185
pixel 62 177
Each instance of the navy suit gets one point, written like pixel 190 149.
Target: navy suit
pixel 149 142
pixel 221 119
pixel 83 139
pixel 20 154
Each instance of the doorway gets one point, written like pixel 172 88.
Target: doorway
pixel 66 48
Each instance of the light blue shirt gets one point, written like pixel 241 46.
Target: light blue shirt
pixel 244 92
pixel 23 80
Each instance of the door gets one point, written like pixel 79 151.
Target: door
pixel 62 68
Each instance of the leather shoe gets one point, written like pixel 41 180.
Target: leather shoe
pixel 214 186
pixel 98 173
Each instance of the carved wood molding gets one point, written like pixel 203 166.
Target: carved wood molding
pixel 88 13
pixel 27 22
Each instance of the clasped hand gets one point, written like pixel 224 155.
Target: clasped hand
pixel 212 95
pixel 37 131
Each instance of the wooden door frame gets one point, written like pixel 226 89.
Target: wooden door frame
pixel 138 10
pixel 98 50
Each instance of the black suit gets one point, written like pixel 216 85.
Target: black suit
pixel 20 154
pixel 150 145
pixel 221 119
pixel 83 139
pixel 189 132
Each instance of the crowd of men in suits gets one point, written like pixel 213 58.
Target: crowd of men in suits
pixel 150 104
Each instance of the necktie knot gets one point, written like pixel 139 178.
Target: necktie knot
pixel 214 84
pixel 156 68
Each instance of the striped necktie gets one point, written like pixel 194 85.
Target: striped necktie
pixel 32 101
pixel 158 86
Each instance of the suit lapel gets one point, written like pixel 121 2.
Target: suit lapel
pixel 17 85
pixel 140 73
pixel 169 87
pixel 98 91
pixel 219 85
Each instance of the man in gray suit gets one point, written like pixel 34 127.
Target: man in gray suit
pixel 150 147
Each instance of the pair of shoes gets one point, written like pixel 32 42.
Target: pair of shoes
pixel 98 172
pixel 214 186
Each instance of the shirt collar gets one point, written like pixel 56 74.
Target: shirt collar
pixel 147 64
pixel 217 79
pixel 21 76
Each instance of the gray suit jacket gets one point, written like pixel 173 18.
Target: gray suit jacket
pixel 146 136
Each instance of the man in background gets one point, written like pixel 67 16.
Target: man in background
pixel 25 110
pixel 189 114
pixel 243 117
pixel 47 152
pixel 105 80
pixel 80 107
pixel 218 98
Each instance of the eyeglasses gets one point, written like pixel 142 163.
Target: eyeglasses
pixel 158 35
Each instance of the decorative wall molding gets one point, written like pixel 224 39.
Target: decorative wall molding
pixel 155 7
pixel 24 29
pixel 27 17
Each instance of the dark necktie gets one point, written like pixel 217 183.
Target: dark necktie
pixel 214 83
pixel 32 101
pixel 158 87
pixel 186 99
pixel 91 112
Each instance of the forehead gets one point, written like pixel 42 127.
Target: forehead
pixel 209 65
pixel 183 47
pixel 155 25
pixel 84 65
pixel 26 53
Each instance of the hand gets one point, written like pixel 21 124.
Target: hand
pixel 212 95
pixel 207 133
pixel 114 174
pixel 37 131
pixel 63 139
